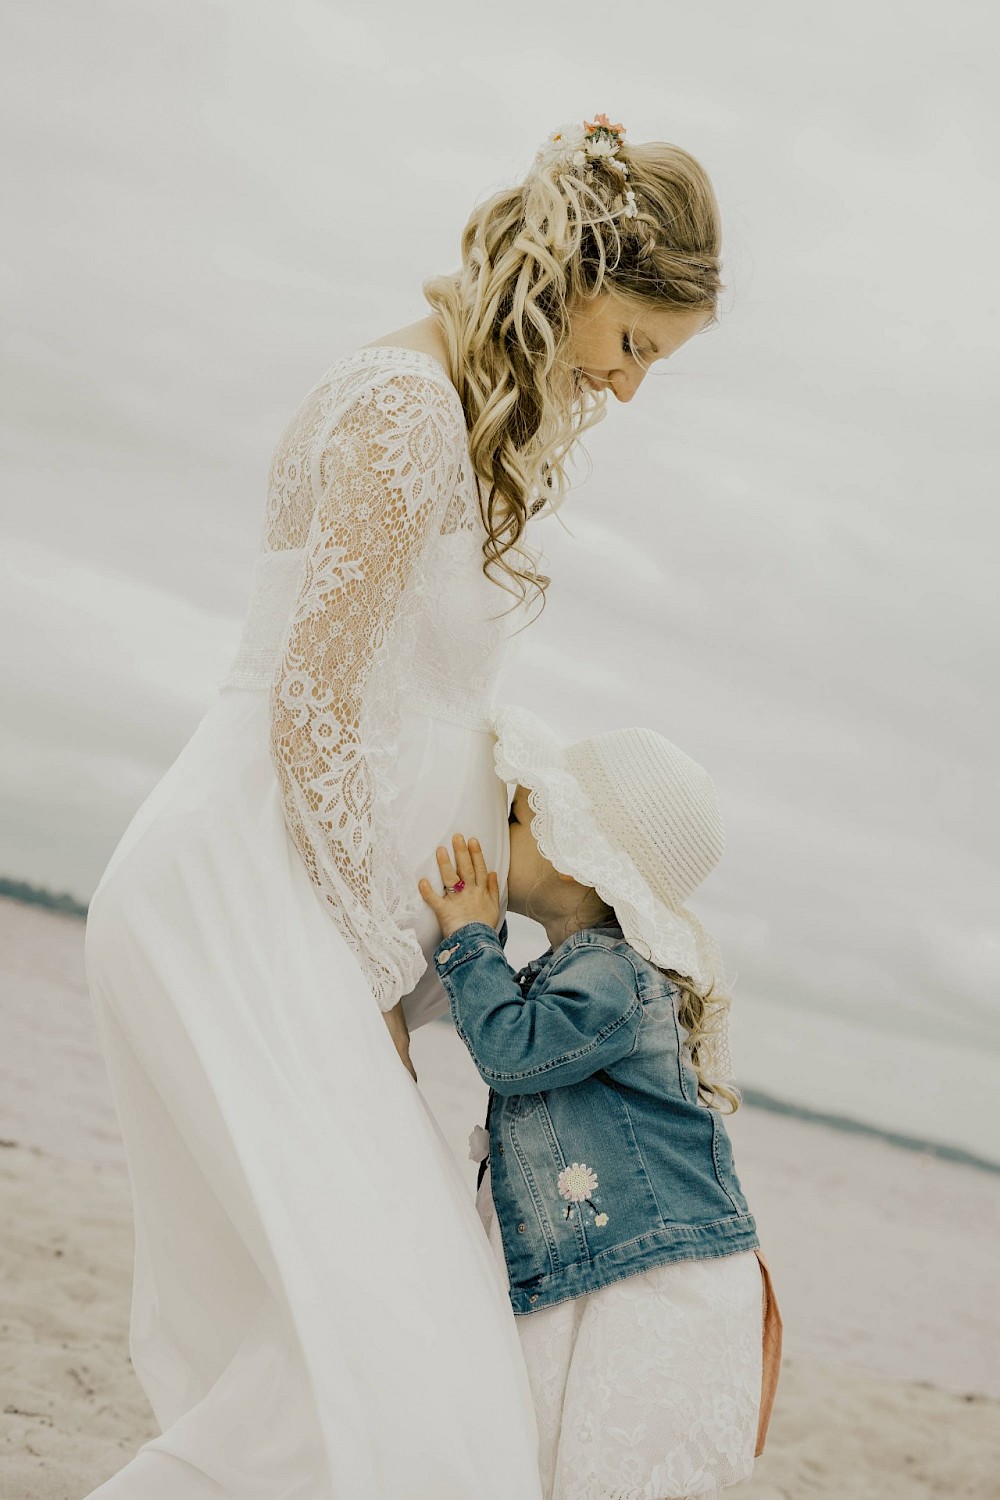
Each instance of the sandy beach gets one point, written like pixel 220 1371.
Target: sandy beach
pixel 884 1261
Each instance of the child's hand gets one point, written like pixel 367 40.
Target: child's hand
pixel 480 899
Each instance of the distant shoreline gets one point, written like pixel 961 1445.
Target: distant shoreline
pixel 40 895
pixel 64 902
pixel 757 1099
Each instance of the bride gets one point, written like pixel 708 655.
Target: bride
pixel 316 1312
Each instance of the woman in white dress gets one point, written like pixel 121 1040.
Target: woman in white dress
pixel 316 1311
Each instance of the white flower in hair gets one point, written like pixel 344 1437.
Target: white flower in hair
pixel 565 141
pixel 631 209
pixel 577 145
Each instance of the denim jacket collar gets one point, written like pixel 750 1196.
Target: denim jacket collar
pixel 530 971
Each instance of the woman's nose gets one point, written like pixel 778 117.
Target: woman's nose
pixel 625 383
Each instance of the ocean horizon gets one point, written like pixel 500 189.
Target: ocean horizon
pixel 933 1098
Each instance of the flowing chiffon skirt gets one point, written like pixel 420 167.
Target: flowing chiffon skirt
pixel 317 1314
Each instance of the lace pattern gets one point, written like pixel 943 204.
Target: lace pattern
pixel 648 1389
pixel 275 583
pixel 368 593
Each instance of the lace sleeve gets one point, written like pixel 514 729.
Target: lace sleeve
pixel 384 475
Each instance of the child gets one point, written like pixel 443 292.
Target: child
pixel 648 1324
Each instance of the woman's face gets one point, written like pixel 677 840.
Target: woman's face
pixel 612 342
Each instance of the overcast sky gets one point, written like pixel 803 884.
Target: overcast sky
pixel 785 558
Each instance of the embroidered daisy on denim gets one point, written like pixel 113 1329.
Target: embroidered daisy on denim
pixel 577 1184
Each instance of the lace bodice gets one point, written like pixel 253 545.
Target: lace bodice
pixel 368 595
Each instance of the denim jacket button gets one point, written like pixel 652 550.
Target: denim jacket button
pixel 521 1228
pixel 500 1149
pixel 533 1297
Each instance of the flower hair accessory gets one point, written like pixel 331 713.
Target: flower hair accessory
pixel 572 149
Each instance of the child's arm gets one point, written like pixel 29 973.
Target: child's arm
pixel 585 1017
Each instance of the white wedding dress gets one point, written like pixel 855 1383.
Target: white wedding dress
pixel 317 1314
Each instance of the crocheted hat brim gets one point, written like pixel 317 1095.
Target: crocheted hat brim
pixel 569 837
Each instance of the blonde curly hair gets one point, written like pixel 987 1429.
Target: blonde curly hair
pixel 700 1014
pixel 529 252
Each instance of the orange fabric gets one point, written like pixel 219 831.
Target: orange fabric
pixel 772 1355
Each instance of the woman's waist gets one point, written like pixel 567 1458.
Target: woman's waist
pixel 419 697
pixel 467 708
pixel 439 764
pixel 446 783
pixel 464 693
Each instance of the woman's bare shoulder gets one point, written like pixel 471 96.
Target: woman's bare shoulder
pixel 424 336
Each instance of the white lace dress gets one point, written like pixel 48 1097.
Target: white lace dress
pixel 316 1312
pixel 649 1388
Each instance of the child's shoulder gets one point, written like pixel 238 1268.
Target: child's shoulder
pixel 604 938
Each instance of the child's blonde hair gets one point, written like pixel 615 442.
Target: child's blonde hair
pixel 528 252
pixel 697 1012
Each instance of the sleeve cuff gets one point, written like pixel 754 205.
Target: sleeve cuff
pixel 464 942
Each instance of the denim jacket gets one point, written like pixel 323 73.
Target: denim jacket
pixel 602 1161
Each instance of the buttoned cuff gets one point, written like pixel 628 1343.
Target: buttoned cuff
pixel 464 943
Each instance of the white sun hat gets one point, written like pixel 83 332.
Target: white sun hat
pixel 631 815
